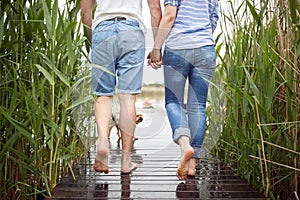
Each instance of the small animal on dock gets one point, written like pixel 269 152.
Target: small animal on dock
pixel 114 122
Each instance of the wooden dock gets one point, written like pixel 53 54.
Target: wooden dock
pixel 155 178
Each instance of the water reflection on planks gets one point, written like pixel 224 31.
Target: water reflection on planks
pixel 155 177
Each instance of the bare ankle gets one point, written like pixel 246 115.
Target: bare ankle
pixel 184 143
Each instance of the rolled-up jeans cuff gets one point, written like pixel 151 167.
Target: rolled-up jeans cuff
pixel 181 132
pixel 197 151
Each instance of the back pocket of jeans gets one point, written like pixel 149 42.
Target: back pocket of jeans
pixel 172 59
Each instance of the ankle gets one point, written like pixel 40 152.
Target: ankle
pixel 184 143
pixel 126 157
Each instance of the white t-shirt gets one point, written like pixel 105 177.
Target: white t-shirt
pixel 108 9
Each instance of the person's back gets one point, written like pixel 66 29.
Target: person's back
pixel 194 24
pixel 108 9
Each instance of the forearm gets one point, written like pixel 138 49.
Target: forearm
pixel 156 15
pixel 165 26
pixel 87 7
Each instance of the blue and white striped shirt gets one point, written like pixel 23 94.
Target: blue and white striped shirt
pixel 194 23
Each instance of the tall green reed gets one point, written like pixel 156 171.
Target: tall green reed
pixel 260 69
pixel 41 57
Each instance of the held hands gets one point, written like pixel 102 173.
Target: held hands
pixel 155 58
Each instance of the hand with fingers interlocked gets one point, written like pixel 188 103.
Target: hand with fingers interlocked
pixel 155 58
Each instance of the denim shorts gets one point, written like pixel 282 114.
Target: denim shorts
pixel 118 54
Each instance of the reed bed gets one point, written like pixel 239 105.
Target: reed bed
pixel 260 69
pixel 41 58
pixel 46 106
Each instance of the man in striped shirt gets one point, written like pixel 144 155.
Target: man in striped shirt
pixel 186 28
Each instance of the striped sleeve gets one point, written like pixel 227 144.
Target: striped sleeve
pixel 213 14
pixel 171 2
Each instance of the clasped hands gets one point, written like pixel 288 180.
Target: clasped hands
pixel 155 58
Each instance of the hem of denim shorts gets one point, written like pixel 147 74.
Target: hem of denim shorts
pixel 181 131
pixel 99 94
pixel 129 92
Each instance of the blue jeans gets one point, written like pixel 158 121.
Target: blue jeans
pixel 118 50
pixel 196 65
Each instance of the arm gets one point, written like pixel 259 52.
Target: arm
pixel 165 26
pixel 214 17
pixel 87 7
pixel 166 23
pixel 155 12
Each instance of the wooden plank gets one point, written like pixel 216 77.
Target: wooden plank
pixel 155 178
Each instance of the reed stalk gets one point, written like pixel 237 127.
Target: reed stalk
pixel 42 51
pixel 260 75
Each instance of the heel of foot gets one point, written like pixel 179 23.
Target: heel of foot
pixel 100 167
pixel 129 169
pixel 188 154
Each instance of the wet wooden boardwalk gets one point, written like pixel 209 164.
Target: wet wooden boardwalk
pixel 155 177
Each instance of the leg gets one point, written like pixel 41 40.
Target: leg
pixel 175 76
pixel 130 64
pixel 127 127
pixel 199 78
pixel 103 54
pixel 102 109
pixel 196 108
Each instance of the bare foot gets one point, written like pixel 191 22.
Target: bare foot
pixel 128 168
pixel 101 161
pixel 192 167
pixel 183 167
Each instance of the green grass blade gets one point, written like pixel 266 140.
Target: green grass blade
pixel 47 17
pixel 22 128
pixel 45 73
